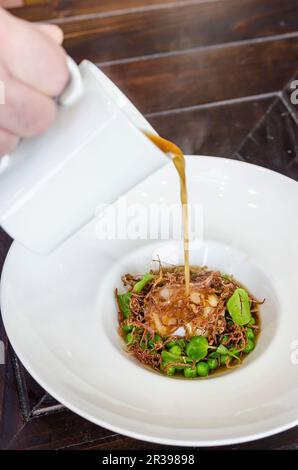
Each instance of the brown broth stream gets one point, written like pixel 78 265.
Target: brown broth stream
pixel 179 161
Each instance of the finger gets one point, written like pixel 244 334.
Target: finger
pixel 26 112
pixel 8 142
pixel 32 56
pixel 52 31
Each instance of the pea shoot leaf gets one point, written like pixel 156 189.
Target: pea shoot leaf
pixel 225 351
pixel 222 349
pixel 168 357
pixel 239 307
pixel 197 348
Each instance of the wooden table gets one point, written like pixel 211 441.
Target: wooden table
pixel 210 75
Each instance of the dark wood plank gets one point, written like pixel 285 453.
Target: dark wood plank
pixel 278 442
pixel 119 442
pixel 11 419
pixel 66 8
pixel 5 242
pixel 285 440
pixel 11 416
pixel 208 75
pixel 274 142
pixel 56 430
pixel 212 130
pixel 29 391
pixel 181 27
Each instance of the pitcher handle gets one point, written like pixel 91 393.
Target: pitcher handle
pixel 74 88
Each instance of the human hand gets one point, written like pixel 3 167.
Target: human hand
pixel 33 70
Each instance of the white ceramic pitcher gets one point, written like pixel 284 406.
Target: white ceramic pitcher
pixel 50 186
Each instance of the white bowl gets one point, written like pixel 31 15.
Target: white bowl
pixel 60 315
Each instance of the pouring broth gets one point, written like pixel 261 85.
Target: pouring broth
pixel 179 161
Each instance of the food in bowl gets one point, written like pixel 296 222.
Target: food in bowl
pixel 210 330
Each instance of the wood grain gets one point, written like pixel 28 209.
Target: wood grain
pixel 55 431
pixel 279 441
pixel 215 130
pixel 5 243
pixel 208 75
pixel 11 417
pixel 274 142
pixel 57 9
pixel 181 27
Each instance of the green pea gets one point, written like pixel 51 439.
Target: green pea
pixel 252 321
pixel 182 343
pixel 176 350
pixel 170 344
pixel 212 355
pixel 157 338
pixel 127 328
pixel 151 344
pixel 250 333
pixel 223 359
pixel 170 371
pixel 190 372
pixel 129 338
pixel 202 369
pixel 250 346
pixel 212 363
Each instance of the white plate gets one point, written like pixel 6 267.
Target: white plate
pixel 60 315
